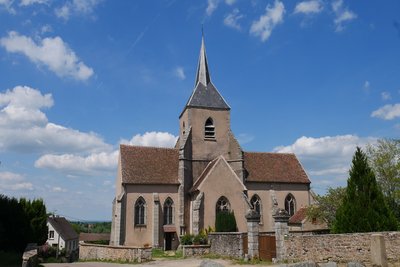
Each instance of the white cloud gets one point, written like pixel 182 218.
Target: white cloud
pixel 180 73
pixel 7 4
pixel 230 2
pixel 245 138
pixel 32 2
pixel 91 164
pixel 25 128
pixel 387 112
pixel 58 189
pixel 308 7
pixel 342 14
pixel 386 96
pixel 50 52
pixel 266 23
pixel 14 182
pixel 367 86
pixel 231 20
pixel 326 159
pixel 155 139
pixel 46 28
pixel 211 6
pixel 76 7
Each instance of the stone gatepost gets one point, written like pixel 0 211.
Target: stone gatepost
pixel 281 218
pixel 156 220
pixel 196 213
pixel 378 251
pixel 253 220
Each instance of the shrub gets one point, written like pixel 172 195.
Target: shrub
pixel 187 239
pixel 225 222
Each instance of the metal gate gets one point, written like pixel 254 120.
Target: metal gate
pixel 267 247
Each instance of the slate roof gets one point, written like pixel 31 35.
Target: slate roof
pixel 63 228
pixel 149 165
pixel 299 216
pixel 207 96
pixel 273 167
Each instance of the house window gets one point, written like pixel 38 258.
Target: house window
pixel 256 203
pixel 290 204
pixel 140 211
pixel 209 129
pixel 168 211
pixel 223 205
pixel 51 234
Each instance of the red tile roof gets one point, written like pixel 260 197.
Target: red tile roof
pixel 94 236
pixel 299 216
pixel 274 167
pixel 149 165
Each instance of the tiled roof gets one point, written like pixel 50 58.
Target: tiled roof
pixel 63 228
pixel 299 216
pixel 149 165
pixel 274 168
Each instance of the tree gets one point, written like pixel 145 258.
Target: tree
pixel 327 204
pixel 363 208
pixel 35 211
pixel 384 157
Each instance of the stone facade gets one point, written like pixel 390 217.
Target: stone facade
pixel 195 250
pixel 113 253
pixel 227 244
pixel 339 247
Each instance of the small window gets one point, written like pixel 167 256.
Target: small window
pixel 51 234
pixel 140 211
pixel 223 205
pixel 209 129
pixel 168 211
pixel 183 128
pixel 290 204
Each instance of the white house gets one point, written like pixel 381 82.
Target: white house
pixel 62 234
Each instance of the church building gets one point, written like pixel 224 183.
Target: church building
pixel 162 193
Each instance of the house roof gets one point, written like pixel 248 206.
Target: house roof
pixel 274 167
pixel 299 216
pixel 63 228
pixel 149 165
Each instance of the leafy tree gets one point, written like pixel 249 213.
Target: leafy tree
pixel 225 222
pixel 35 211
pixel 384 157
pixel 327 204
pixel 363 208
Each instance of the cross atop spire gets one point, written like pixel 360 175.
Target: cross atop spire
pixel 203 75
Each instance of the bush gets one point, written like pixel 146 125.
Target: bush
pixel 225 222
pixel 187 239
pixel 200 239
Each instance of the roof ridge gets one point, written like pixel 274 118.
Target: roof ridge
pixel 149 147
pixel 275 153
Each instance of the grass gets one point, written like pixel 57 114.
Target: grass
pixel 159 253
pixel 10 258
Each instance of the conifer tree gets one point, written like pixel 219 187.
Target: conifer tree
pixel 363 208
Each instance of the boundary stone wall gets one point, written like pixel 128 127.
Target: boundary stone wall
pixel 114 253
pixel 195 250
pixel 227 244
pixel 30 257
pixel 339 247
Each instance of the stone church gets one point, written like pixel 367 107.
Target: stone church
pixel 162 193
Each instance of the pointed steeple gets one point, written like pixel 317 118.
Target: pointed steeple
pixel 203 75
pixel 205 94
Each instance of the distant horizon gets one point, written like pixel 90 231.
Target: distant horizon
pixel 315 78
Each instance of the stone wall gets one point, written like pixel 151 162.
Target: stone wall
pixel 227 244
pixel 195 250
pixel 114 253
pixel 30 257
pixel 339 247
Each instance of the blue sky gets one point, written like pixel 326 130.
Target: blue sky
pixel 315 77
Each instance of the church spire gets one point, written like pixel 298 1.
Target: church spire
pixel 203 75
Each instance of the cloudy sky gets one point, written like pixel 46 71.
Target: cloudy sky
pixel 80 77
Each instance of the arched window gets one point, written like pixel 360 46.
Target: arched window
pixel 168 211
pixel 290 204
pixel 223 205
pixel 209 129
pixel 140 211
pixel 256 203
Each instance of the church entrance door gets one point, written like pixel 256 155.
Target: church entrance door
pixel 168 241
